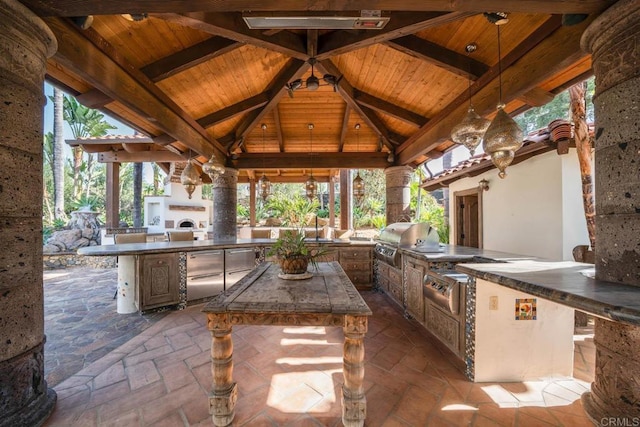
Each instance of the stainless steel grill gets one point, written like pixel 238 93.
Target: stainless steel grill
pixel 420 237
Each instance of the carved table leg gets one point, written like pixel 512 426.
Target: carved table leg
pixel 354 402
pixel 222 399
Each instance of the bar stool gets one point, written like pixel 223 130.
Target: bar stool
pixel 180 236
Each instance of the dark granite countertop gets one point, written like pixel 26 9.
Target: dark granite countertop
pixel 452 253
pixel 198 245
pixel 564 282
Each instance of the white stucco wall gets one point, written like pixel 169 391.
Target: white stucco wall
pixel 536 210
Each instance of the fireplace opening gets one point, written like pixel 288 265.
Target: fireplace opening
pixel 186 223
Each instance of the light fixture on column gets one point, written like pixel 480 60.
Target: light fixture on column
pixel 213 167
pixel 189 177
pixel 358 182
pixel 264 185
pixel 503 136
pixel 471 129
pixel 311 186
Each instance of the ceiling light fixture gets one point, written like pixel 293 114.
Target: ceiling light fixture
pixel 189 177
pixel 471 129
pixel 311 186
pixel 264 184
pixel 503 136
pixel 135 17
pixel 312 82
pixel 358 182
pixel 213 167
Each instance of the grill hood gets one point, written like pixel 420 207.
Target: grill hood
pixel 416 236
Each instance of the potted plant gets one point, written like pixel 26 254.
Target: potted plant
pixel 293 253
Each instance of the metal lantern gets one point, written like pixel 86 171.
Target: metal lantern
pixel 311 187
pixel 470 130
pixel 502 139
pixel 213 167
pixel 190 178
pixel 358 187
pixel 264 187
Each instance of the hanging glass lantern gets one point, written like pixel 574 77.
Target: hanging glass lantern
pixel 264 187
pixel 358 187
pixel 470 130
pixel 311 187
pixel 213 167
pixel 502 139
pixel 190 178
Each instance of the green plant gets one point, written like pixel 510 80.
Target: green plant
pixel 292 244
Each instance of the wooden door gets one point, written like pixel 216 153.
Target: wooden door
pixel 468 216
pixel 159 280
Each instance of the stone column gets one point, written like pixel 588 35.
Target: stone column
pixel 225 200
pixel 398 193
pixel 613 39
pixel 25 44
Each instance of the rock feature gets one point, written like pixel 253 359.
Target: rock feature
pixel 85 231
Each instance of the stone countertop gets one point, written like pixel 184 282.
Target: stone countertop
pixel 564 282
pixel 453 253
pixel 197 245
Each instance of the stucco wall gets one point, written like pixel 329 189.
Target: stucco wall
pixel 536 210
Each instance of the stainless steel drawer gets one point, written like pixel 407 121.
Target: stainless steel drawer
pixel 239 259
pixel 205 263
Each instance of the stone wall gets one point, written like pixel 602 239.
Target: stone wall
pixel 71 259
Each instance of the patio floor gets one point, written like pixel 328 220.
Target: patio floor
pixel 115 370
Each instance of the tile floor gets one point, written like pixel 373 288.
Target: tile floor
pixel 291 376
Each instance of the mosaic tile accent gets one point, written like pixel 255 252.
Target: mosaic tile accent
pixel 470 329
pixel 376 276
pixel 182 274
pixel 526 308
pixel 260 250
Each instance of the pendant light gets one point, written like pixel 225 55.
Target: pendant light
pixel 213 167
pixel 471 129
pixel 311 186
pixel 264 185
pixel 189 177
pixel 358 183
pixel 503 137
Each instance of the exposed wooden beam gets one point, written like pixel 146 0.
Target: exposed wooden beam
pixel 347 92
pixel 312 43
pixel 389 108
pixel 278 125
pixel 244 106
pixel 400 24
pixel 349 160
pixel 556 52
pixel 536 97
pixel 345 126
pixel 143 156
pixel 275 90
pixel 93 99
pixel 231 26
pixel 289 179
pixel 457 63
pixel 115 77
pixel 114 7
pixel 190 57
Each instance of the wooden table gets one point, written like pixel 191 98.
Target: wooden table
pixel 262 298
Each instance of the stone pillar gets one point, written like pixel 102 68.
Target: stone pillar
pixel 225 200
pixel 346 218
pixel 25 44
pixel 398 193
pixel 613 39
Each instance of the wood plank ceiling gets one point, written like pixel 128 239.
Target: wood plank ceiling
pixel 195 79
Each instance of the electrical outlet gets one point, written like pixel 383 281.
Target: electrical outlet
pixel 493 302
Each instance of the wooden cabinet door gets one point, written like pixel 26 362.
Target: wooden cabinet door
pixel 415 298
pixel 159 280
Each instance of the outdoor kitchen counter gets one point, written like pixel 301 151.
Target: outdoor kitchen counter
pixel 564 282
pixel 198 245
pixel 454 253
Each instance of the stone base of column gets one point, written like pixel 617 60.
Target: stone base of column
pixel 614 392
pixel 25 399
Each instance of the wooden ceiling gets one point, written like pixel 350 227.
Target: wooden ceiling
pixel 194 78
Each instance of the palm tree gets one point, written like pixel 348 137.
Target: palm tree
pixel 58 155
pixel 84 122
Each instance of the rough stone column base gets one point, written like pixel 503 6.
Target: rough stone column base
pixel 615 391
pixel 24 390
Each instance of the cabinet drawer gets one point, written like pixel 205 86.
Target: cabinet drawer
pixel 360 254
pixel 383 269
pixel 356 266
pixel 443 326
pixel 395 276
pixel 359 277
pixel 396 292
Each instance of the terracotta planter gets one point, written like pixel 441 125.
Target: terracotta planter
pixel 294 264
